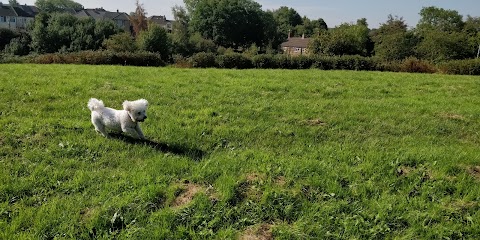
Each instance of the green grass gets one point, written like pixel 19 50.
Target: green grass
pixel 304 154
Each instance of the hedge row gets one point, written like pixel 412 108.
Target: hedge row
pixel 265 61
pixel 461 67
pixel 262 61
pixel 92 58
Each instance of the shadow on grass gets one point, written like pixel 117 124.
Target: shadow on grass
pixel 193 153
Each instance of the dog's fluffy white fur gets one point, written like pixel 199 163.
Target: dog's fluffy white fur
pixel 126 120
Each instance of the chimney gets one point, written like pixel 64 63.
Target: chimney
pixel 289 34
pixel 117 10
pixel 303 36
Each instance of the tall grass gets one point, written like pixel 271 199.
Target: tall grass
pixel 298 154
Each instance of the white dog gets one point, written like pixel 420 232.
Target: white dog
pixel 126 120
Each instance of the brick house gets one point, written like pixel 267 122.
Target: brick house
pixel 296 46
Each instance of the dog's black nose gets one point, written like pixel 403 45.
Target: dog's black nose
pixel 145 117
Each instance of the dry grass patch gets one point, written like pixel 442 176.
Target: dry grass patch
pixel 257 232
pixel 404 170
pixel 86 214
pixel 452 116
pixel 315 122
pixel 474 171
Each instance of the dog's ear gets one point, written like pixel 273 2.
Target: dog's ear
pixel 144 102
pixel 126 105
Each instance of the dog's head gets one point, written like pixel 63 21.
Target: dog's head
pixel 137 110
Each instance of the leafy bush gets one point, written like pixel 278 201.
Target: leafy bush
pixel 203 60
pixel 301 62
pixel 6 35
pixel 121 42
pixel 415 65
pixel 156 40
pixel 264 61
pixel 463 67
pixel 181 61
pixel 234 60
pixel 101 58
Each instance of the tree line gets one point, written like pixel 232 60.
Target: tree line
pixel 220 26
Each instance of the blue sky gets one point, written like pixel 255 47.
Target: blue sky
pixel 334 12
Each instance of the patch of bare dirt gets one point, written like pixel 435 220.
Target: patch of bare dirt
pixel 86 214
pixel 255 177
pixel 404 171
pixel 187 194
pixel 474 171
pixel 281 181
pixel 257 232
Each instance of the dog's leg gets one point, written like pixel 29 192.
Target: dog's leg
pixel 139 132
pixel 99 127
pixel 132 132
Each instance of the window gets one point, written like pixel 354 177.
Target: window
pixel 298 49
pixel 3 19
pixel 12 19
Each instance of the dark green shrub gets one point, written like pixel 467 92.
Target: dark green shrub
pixel 301 62
pixel 282 61
pixel 323 62
pixel 263 61
pixel 203 60
pixel 462 67
pixel 101 58
pixel 234 60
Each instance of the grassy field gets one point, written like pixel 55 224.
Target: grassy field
pixel 240 154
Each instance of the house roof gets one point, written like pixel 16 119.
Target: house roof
pixel 21 13
pixel 161 20
pixel 32 10
pixel 102 14
pixel 296 42
pixel 18 11
pixel 6 10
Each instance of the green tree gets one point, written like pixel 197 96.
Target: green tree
pixel 155 39
pixel 229 23
pixel 66 33
pixel 442 36
pixel 346 39
pixel 180 33
pixel 472 29
pixel 441 46
pixel 287 19
pixel 120 42
pixel 393 40
pixel 433 18
pixel 50 6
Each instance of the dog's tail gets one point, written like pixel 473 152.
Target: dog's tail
pixel 94 104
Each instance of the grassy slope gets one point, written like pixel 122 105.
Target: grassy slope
pixel 310 153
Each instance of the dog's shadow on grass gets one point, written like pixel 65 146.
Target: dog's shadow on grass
pixel 192 153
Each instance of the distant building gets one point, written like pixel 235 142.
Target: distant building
pixel 162 22
pixel 120 18
pixel 296 46
pixel 16 17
